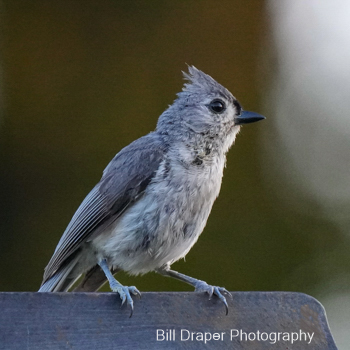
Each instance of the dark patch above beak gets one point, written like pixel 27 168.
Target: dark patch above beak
pixel 248 117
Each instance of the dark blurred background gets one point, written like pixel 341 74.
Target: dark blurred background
pixel 82 79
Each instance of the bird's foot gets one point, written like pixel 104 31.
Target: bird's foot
pixel 202 286
pixel 124 293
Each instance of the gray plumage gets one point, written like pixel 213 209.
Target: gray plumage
pixel 154 197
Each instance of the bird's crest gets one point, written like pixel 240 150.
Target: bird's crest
pixel 198 82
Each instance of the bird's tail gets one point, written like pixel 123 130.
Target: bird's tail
pixel 61 280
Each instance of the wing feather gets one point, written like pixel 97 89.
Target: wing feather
pixel 124 180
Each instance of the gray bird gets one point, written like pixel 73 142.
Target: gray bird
pixel 154 197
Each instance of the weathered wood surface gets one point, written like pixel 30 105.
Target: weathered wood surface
pixel 40 321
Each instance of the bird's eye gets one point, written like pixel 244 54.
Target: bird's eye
pixel 217 106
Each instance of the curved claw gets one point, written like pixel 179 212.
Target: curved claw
pixel 124 293
pixel 224 290
pixel 135 291
pixel 205 287
pixel 132 309
pixel 221 297
pixel 210 291
pixel 122 297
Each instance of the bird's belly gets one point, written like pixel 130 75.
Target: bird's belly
pixel 146 238
pixel 160 228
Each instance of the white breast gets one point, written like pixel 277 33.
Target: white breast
pixel 162 226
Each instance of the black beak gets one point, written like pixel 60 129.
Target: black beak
pixel 248 117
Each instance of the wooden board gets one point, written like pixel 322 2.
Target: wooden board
pixel 95 321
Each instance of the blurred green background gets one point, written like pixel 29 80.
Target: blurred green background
pixel 82 79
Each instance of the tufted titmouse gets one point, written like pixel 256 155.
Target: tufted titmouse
pixel 154 197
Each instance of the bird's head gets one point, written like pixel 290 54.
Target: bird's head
pixel 206 108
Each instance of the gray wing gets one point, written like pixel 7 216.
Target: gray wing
pixel 123 182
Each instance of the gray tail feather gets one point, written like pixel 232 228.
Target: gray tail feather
pixel 61 281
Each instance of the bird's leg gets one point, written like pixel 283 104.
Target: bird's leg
pixel 200 286
pixel 123 291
